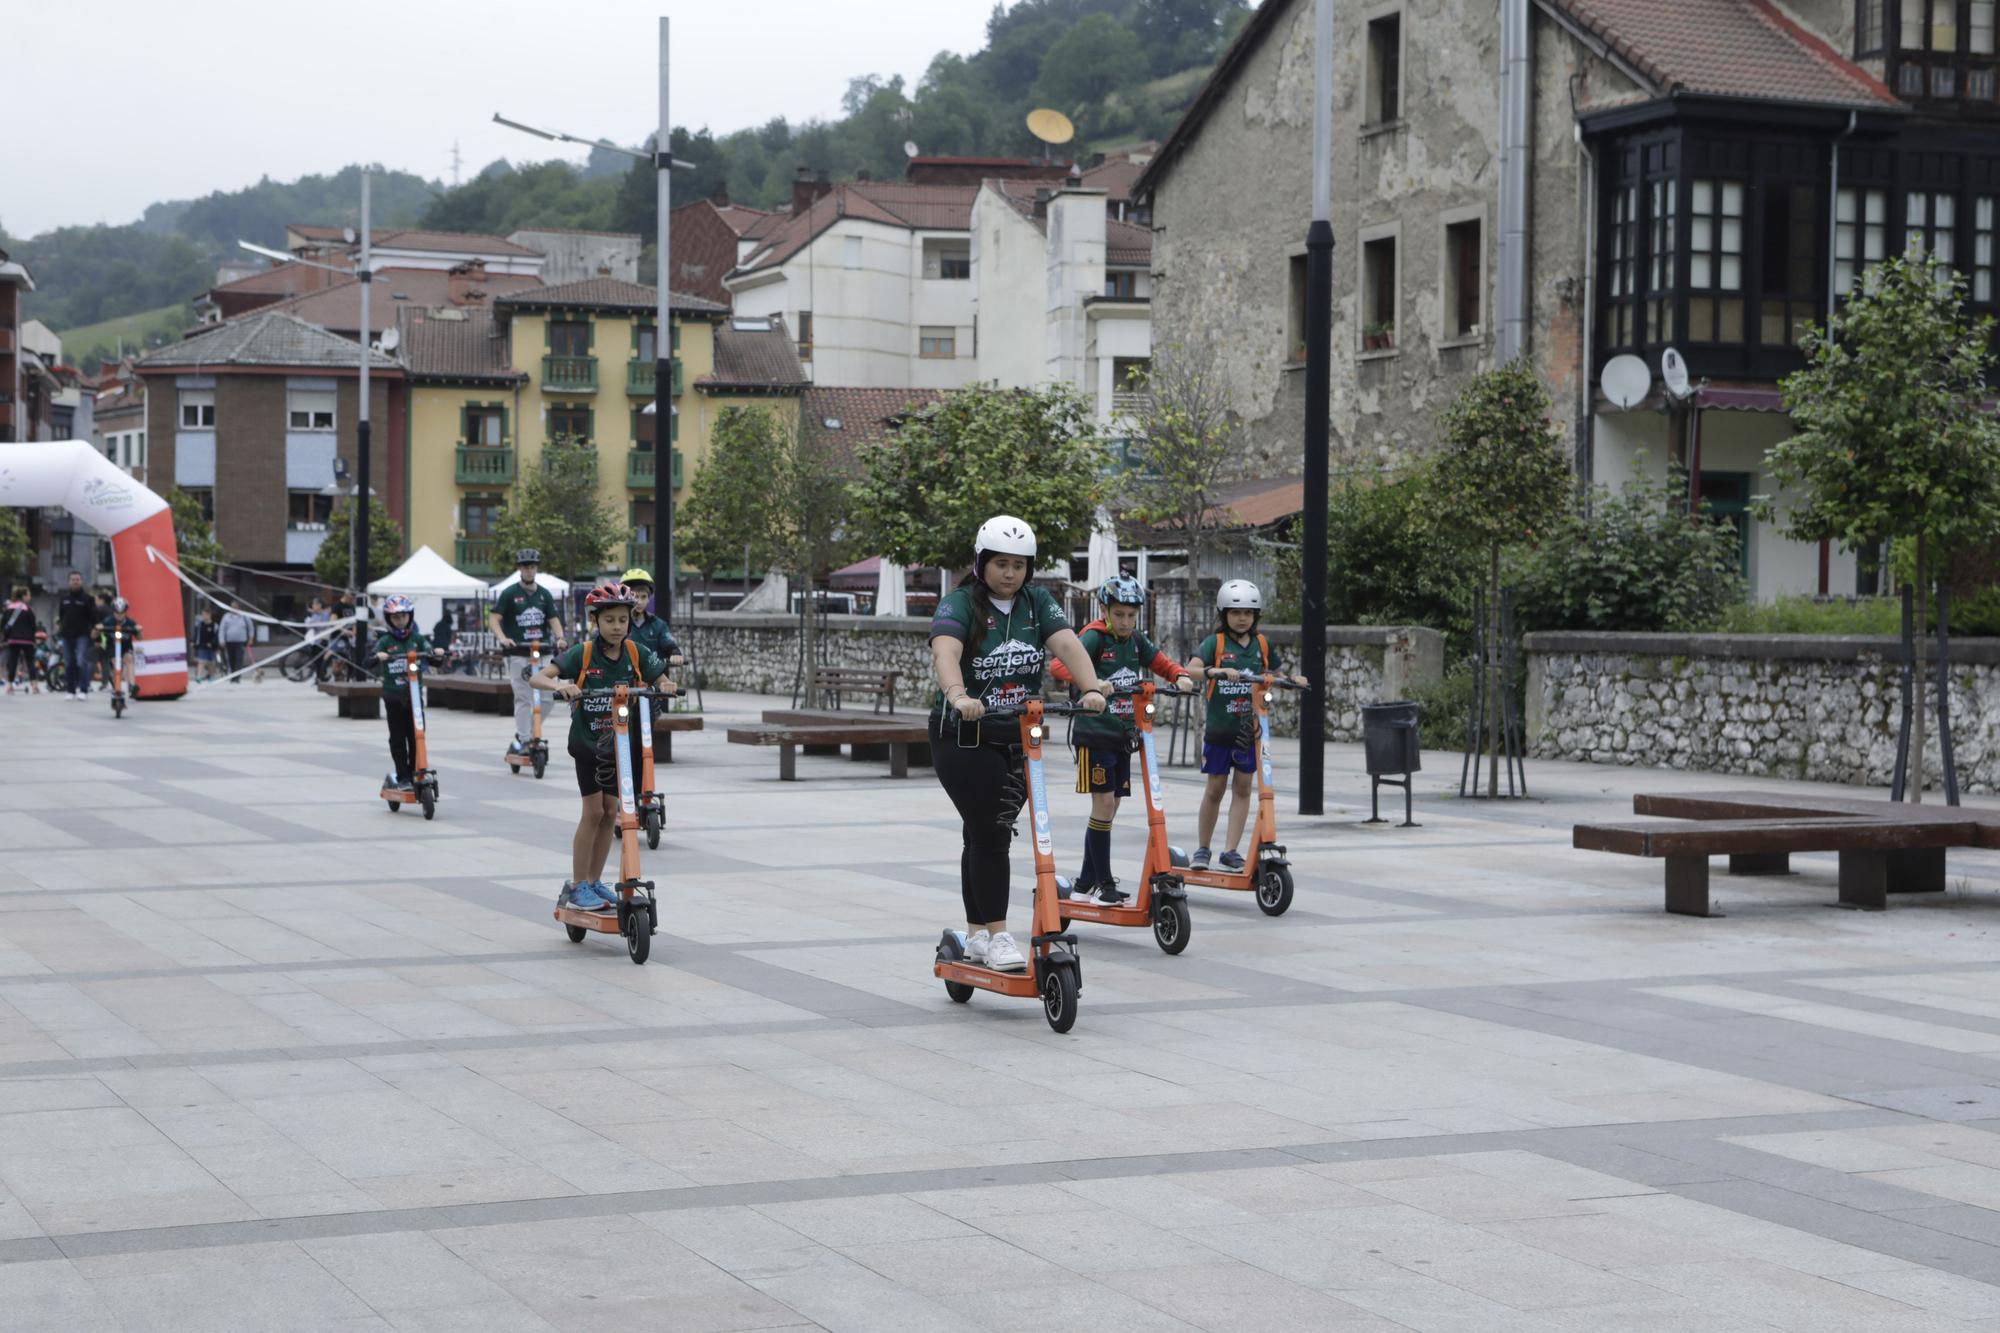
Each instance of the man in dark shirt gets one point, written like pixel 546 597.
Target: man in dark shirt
pixel 76 618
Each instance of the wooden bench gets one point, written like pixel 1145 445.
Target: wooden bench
pixel 831 682
pixel 1877 856
pixel 791 737
pixel 355 698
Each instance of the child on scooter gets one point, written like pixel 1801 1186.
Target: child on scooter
pixel 392 647
pixel 604 660
pixel 1104 742
pixel 1235 653
pixel 117 619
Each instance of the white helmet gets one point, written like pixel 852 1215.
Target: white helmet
pixel 1239 595
pixel 1003 534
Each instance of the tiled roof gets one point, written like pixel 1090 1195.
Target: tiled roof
pixel 763 358
pixel 1727 48
pixel 283 279
pixel 1114 176
pixel 863 416
pixel 264 338
pixel 339 306
pixel 1127 243
pixel 454 344
pixel 604 294
pixel 416 238
pixel 891 203
pixel 705 240
pixel 570 231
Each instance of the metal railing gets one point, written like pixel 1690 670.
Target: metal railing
pixel 478 555
pixel 639 378
pixel 569 374
pixel 485 465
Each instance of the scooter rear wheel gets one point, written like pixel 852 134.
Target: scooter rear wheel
pixel 652 822
pixel 958 990
pixel 117 705
pixel 1171 926
pixel 1274 890
pixel 575 933
pixel 394 806
pixel 1059 998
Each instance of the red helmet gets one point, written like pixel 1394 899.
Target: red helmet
pixel 609 594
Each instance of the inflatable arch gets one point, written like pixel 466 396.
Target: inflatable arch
pixel 72 474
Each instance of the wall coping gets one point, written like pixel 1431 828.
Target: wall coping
pixel 1751 647
pixel 1340 636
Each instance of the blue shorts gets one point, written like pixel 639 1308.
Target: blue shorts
pixel 1219 759
pixel 1103 768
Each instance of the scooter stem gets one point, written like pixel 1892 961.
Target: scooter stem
pixel 628 806
pixel 1158 858
pixel 1047 920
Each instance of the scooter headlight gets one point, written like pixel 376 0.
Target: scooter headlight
pixel 1150 710
pixel 1267 696
pixel 1034 733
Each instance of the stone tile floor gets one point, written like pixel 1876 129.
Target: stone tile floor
pixel 271 1057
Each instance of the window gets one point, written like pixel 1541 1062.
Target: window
pixel 570 422
pixel 485 426
pixel 1982 249
pixel 643 342
pixel 805 335
pixel 1789 249
pixel 308 510
pixel 1981 28
pixel 850 252
pixel 140 453
pixel 569 337
pixel 642 521
pixel 197 409
pixel 1929 220
pixel 1622 271
pixel 1869 20
pixel 1715 262
pixel 1661 228
pixel 642 428
pixel 1131 374
pixel 957 266
pixel 481 513
pixel 1378 294
pixel 1385 69
pixel 942 259
pixel 62 548
pixel 309 409
pixel 1860 235
pixel 1296 310
pixel 937 341
pixel 1464 259
pixel 204 499
pixel 1121 286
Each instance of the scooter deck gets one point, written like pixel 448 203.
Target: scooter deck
pixel 1019 984
pixel 1242 881
pixel 1121 914
pixel 400 794
pixel 604 921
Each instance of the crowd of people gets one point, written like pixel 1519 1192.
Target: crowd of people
pixel 75 653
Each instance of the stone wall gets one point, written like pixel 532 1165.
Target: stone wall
pixel 759 654
pixel 1821 708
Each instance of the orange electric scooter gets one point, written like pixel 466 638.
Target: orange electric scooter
pixel 1161 902
pixel 423 788
pixel 652 803
pixel 118 672
pixel 637 914
pixel 1054 971
pixel 1267 874
pixel 536 756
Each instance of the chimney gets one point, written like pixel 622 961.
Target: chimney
pixel 1042 195
pixel 721 196
pixel 465 284
pixel 806 187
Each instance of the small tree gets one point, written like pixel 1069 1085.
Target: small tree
pixel 1033 453
pixel 1499 480
pixel 194 535
pixel 725 517
pixel 1889 435
pixel 14 551
pixel 556 510
pixel 1188 450
pixel 812 509
pixel 385 543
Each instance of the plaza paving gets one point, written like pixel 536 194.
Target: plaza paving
pixel 271 1057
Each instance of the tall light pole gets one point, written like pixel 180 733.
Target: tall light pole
pixel 1319 389
pixel 663 389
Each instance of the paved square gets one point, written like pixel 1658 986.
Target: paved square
pixel 271 1058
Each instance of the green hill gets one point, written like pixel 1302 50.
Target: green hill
pixel 146 329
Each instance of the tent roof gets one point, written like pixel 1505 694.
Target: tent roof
pixel 428 574
pixel 560 587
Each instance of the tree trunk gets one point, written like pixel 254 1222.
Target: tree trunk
pixel 808 628
pixel 1922 638
pixel 1186 645
pixel 1494 683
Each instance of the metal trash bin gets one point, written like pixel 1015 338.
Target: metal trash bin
pixel 1391 753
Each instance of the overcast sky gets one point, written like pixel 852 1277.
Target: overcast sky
pixel 118 104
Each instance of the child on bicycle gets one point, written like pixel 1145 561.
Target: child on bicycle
pixel 605 659
pixel 391 652
pixel 1231 661
pixel 1105 741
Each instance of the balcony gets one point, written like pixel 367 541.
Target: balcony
pixel 639 378
pixel 478 555
pixel 569 374
pixel 639 470
pixel 589 457
pixel 485 465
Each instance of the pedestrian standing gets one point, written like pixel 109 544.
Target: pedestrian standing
pixel 17 630
pixel 207 645
pixel 76 619
pixel 235 633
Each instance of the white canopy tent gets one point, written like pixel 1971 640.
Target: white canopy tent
pixel 890 599
pixel 1102 552
pixel 429 580
pixel 543 579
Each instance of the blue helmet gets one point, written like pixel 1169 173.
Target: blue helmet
pixel 1122 590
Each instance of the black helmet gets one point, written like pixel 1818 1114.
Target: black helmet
pixel 527 555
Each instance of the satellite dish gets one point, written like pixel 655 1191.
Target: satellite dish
pixel 1674 372
pixel 348 234
pixel 909 148
pixel 1050 126
pixel 1626 381
pixel 390 339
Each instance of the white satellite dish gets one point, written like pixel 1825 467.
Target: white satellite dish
pixel 348 234
pixel 910 148
pixel 1674 373
pixel 390 339
pixel 1626 381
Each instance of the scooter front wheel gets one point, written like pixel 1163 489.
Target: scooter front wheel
pixel 1274 890
pixel 1171 926
pixel 638 935
pixel 117 705
pixel 652 822
pixel 1059 998
pixel 958 990
pixel 541 764
pixel 430 807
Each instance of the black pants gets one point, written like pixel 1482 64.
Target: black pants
pixel 985 784
pixel 402 737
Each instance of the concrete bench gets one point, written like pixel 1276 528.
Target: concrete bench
pixel 474 693
pixel 898 737
pixel 919 752
pixel 1877 856
pixel 355 698
pixel 664 727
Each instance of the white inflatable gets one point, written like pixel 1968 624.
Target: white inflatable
pixel 72 474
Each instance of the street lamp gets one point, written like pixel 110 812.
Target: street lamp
pixel 663 445
pixel 1319 389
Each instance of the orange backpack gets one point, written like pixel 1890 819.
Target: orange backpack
pixel 583 669
pixel 1263 648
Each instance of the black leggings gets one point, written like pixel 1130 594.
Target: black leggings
pixel 20 657
pixel 985 784
pixel 402 737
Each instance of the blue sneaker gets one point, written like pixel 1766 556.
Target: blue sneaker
pixel 1230 860
pixel 566 898
pixel 594 897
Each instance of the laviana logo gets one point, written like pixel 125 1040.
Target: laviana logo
pixel 103 493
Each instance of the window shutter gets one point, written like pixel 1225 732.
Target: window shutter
pixel 504 436
pixel 677 467
pixel 590 425
pixel 465 424
pixel 674 431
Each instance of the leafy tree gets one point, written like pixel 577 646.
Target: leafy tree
pixel 1889 435
pixel 1094 58
pixel 723 519
pixel 981 451
pixel 1386 565
pixel 332 563
pixel 1188 449
pixel 14 551
pixel 194 535
pixel 555 509
pixel 1499 480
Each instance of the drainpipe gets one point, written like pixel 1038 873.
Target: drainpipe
pixel 1516 94
pixel 1832 295
pixel 1586 422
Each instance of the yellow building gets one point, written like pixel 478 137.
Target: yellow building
pixel 490 390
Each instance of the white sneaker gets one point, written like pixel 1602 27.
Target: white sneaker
pixel 975 946
pixel 1003 955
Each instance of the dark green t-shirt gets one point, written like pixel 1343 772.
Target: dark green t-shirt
pixel 395 679
pixel 1005 656
pixel 590 718
pixel 525 615
pixel 1122 664
pixel 1229 706
pixel 652 632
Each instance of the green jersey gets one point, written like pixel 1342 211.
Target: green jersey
pixel 1004 657
pixel 395 674
pixel 1229 705
pixel 590 718
pixel 1121 664
pixel 525 615
pixel 652 632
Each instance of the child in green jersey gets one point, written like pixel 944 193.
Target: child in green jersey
pixel 391 652
pixel 1105 741
pixel 1232 660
